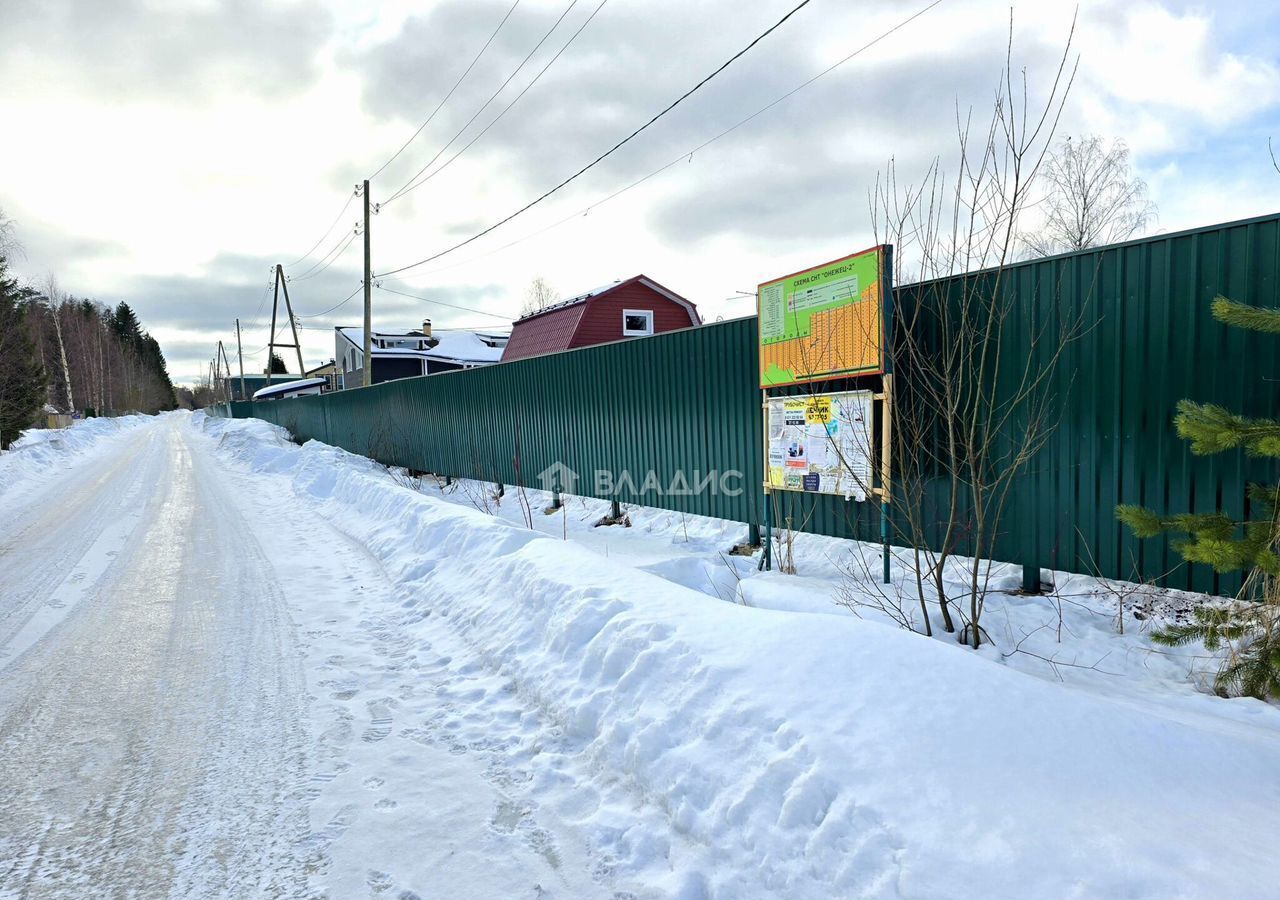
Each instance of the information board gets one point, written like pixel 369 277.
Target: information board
pixel 820 443
pixel 825 322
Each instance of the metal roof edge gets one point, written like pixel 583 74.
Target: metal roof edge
pixel 1146 239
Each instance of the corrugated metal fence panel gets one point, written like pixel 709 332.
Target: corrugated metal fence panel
pixel 1151 340
pixel 686 404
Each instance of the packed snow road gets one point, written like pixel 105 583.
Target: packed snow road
pixel 151 711
pixel 155 738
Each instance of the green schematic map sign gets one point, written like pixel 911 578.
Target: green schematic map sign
pixel 824 322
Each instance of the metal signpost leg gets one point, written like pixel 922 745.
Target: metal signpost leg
pixel 766 557
pixel 886 468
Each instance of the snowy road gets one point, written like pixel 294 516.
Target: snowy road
pixel 151 710
pixel 186 713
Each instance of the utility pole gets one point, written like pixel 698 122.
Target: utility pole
pixel 271 335
pixel 218 362
pixel 367 362
pixel 240 354
pixel 224 365
pixel 293 323
pixel 288 307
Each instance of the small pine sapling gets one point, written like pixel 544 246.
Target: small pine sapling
pixel 1250 627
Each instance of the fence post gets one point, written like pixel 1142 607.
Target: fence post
pixel 1030 579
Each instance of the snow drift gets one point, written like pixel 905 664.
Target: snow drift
pixel 39 450
pixel 811 755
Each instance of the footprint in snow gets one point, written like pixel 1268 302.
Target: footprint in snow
pixel 380 720
pixel 379 882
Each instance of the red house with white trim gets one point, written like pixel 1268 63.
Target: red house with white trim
pixel 636 307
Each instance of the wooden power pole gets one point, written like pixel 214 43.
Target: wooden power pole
pixel 240 355
pixel 288 307
pixel 367 362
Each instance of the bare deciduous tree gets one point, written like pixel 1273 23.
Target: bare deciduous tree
pixel 538 297
pixel 57 303
pixel 8 239
pixel 1091 197
pixel 974 402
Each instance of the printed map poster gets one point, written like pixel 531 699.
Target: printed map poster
pixel 821 443
pixel 824 322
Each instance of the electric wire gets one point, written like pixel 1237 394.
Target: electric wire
pixel 409 185
pixel 587 209
pixel 412 137
pixel 505 109
pixel 327 231
pixel 442 303
pixel 441 104
pixel 254 323
pixel 688 154
pixel 607 153
pixel 327 261
pixel 337 306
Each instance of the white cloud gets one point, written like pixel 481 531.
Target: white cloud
pixel 1161 80
pixel 181 177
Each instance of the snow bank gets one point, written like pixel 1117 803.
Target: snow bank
pixel 804 755
pixel 41 451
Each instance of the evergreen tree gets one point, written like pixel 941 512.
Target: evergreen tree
pixel 22 383
pixel 1250 628
pixel 154 359
pixel 277 366
pixel 124 324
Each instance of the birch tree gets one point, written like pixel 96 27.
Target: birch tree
pixel 1091 197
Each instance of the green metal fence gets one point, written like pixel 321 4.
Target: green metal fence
pixel 672 409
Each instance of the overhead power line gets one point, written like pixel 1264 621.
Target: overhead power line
pixel 409 185
pixel 254 323
pixel 442 303
pixel 412 137
pixel 688 154
pixel 332 225
pixel 329 259
pixel 608 152
pixel 505 109
pixel 441 104
pixel 336 306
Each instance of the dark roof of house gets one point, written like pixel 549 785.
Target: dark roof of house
pixel 581 299
pixel 552 329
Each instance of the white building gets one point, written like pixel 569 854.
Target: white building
pixel 412 353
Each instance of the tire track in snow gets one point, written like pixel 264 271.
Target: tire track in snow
pixel 147 742
pixel 62 539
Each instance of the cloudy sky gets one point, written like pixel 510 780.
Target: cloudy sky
pixel 169 152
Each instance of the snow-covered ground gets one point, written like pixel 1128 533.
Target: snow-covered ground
pixel 489 710
pixel 40 453
pixel 711 731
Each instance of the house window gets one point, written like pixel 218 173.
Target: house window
pixel 637 322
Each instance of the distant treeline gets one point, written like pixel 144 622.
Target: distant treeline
pixel 72 354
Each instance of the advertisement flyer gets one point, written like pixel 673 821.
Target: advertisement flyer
pixel 821 443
